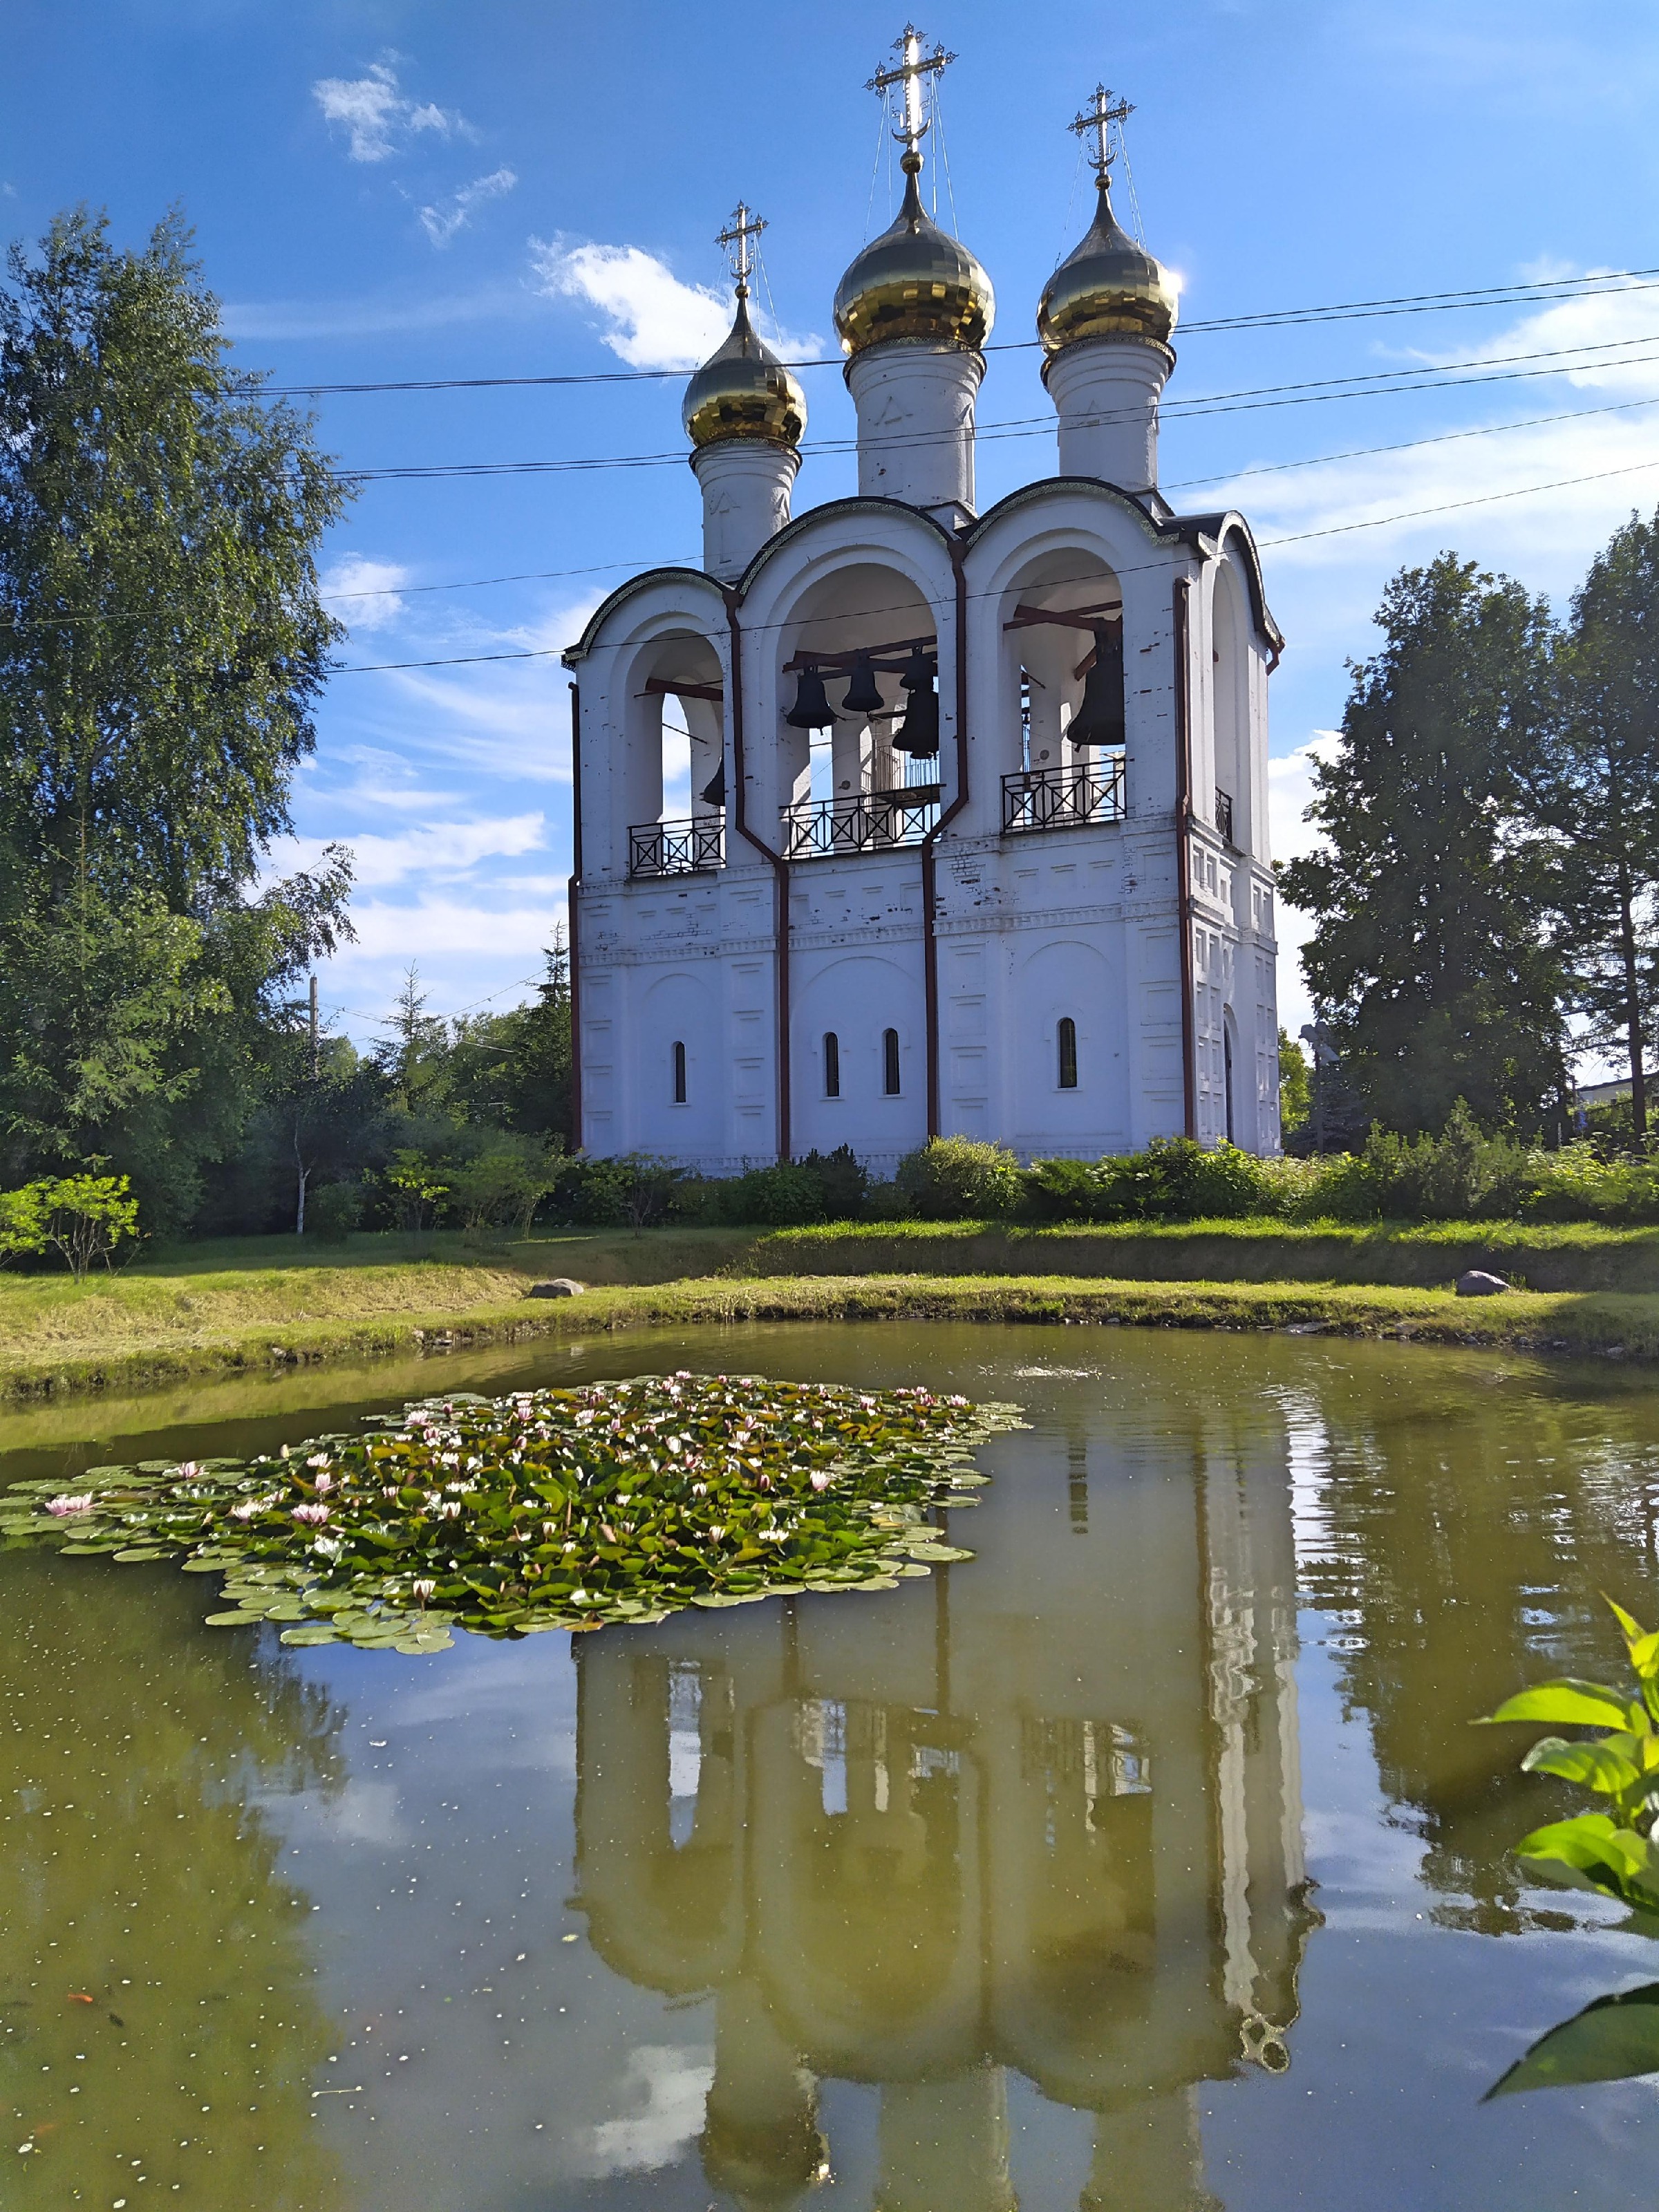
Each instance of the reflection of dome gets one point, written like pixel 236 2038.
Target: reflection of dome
pixel 1108 286
pixel 915 282
pixel 743 391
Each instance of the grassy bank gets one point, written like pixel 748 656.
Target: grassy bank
pixel 165 1326
pixel 1424 1256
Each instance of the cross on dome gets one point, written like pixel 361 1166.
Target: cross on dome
pixel 1098 116
pixel 912 67
pixel 742 225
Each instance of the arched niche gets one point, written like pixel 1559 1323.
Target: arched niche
pixel 1230 676
pixel 680 1010
pixel 668 771
pixel 864 606
pixel 1066 980
pixel 1050 614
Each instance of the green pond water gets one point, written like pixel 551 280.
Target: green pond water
pixel 1147 1861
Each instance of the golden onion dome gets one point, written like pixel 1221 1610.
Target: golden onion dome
pixel 915 283
pixel 1108 286
pixel 743 391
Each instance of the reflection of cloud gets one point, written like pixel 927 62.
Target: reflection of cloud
pixel 442 223
pixel 1290 788
pixel 364 592
pixel 670 2087
pixel 374 113
pixel 656 321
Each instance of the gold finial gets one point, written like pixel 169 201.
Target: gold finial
pixel 742 224
pixel 913 66
pixel 1101 113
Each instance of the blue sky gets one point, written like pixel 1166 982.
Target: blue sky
pixel 398 189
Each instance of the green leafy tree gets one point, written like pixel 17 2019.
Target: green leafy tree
pixel 1295 1087
pixel 161 648
pixel 514 1069
pixel 1598 790
pixel 1432 946
pixel 83 1219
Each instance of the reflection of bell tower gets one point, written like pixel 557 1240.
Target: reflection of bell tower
pixel 1048 1821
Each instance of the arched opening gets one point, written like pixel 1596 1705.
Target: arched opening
pixel 859 709
pixel 673 782
pixel 1230 678
pixel 1065 1041
pixel 679 1072
pixel 890 1063
pixel 1062 631
pixel 831 1065
pixel 1227 1074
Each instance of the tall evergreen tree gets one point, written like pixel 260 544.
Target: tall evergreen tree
pixel 1598 791
pixel 1432 952
pixel 161 648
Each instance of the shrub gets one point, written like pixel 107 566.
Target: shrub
pixel 844 1183
pixel 1061 1190
pixel 787 1196
pixel 1459 1176
pixel 960 1179
pixel 502 1183
pixel 333 1210
pixel 885 1201
pixel 82 1217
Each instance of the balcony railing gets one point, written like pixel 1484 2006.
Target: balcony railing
pixel 1224 815
pixel 1063 798
pixel 868 823
pixel 676 849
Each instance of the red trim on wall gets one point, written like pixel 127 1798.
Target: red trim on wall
pixel 780 881
pixel 1182 605
pixel 571 922
pixel 929 860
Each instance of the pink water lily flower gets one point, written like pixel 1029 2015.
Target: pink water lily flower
pixel 314 1515
pixel 324 1482
pixel 821 1481
pixel 64 1506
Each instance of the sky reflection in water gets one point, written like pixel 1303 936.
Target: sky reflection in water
pixel 988 1890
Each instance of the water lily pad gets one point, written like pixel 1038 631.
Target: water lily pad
pixel 310 1631
pixel 143 1552
pixel 238 1620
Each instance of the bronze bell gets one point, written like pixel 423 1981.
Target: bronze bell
pixel 1099 718
pixel 714 792
pixel 919 736
pixel 811 709
pixel 863 693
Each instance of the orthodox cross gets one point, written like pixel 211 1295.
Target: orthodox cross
pixel 742 226
pixel 1098 116
pixel 908 71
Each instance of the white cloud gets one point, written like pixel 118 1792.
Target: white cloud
pixel 376 116
pixel 442 220
pixel 1290 788
pixel 369 318
pixel 432 929
pixel 654 320
pixel 669 2088
pixel 446 848
pixel 364 594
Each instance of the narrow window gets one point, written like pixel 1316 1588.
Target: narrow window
pixel 1227 1078
pixel 831 1065
pixel 1067 1053
pixel 890 1062
pixel 679 1074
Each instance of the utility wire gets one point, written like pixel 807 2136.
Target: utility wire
pixel 1545 292
pixel 1373 385
pixel 1179 483
pixel 1264 544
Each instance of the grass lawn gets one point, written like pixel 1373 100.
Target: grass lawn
pixel 265 1303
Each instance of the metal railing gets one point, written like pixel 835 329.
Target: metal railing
pixel 1224 814
pixel 1063 798
pixel 676 849
pixel 870 822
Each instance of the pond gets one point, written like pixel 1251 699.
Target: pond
pixel 1147 1859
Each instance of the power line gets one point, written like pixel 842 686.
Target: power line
pixel 1544 292
pixel 1375 384
pixel 1180 483
pixel 1264 544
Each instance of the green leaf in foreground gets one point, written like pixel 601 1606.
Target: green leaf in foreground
pixel 615 1502
pixel 1614 2039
